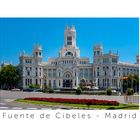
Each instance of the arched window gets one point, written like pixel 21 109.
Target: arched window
pixel 67 75
pixel 69 54
pixel 83 81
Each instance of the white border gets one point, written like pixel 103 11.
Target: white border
pixel 69 8
pixel 100 129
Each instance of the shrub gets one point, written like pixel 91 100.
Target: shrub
pixel 130 91
pixel 78 91
pixel 31 86
pixel 34 86
pixel 88 102
pixel 109 91
pixel 51 90
pixel 45 89
pixel 37 86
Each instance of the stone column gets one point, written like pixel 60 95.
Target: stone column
pixel 77 83
pixel 73 82
pixel 61 83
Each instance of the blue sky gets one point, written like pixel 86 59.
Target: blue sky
pixel 20 34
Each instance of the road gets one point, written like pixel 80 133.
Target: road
pixel 7 99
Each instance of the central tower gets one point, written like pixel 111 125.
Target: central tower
pixel 70 49
pixel 70 37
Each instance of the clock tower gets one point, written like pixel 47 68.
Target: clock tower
pixel 69 49
pixel 70 37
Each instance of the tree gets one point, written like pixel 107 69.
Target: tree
pixel 9 77
pixel 109 91
pixel 130 91
pixel 136 83
pixel 132 82
pixel 78 91
pixel 32 86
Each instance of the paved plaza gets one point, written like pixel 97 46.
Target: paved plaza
pixel 7 99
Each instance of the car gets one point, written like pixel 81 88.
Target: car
pixel 96 88
pixel 15 89
pixel 114 91
pixel 28 89
pixel 57 90
pixel 38 90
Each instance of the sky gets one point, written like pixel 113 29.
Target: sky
pixel 21 34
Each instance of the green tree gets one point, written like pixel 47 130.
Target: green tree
pixel 109 91
pixel 136 83
pixel 132 82
pixel 32 86
pixel 78 91
pixel 130 91
pixel 9 77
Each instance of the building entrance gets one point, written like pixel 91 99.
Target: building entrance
pixel 67 83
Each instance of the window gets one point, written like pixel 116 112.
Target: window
pixel 98 52
pixel 67 76
pixel 105 60
pixel 69 43
pixel 36 82
pixel 49 73
pixel 30 81
pixel 114 73
pixel 54 72
pixel 98 81
pixel 28 61
pixel 54 83
pixel 69 54
pixel 49 83
pixel 28 73
pixel 36 74
pixel 114 60
pixel 81 72
pixel 26 82
pixel 59 83
pixel 69 40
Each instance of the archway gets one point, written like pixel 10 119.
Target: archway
pixel 67 80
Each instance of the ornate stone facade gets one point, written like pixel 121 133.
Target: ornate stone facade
pixel 69 69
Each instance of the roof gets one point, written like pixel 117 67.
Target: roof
pixel 128 64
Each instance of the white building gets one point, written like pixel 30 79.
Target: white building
pixel 69 69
